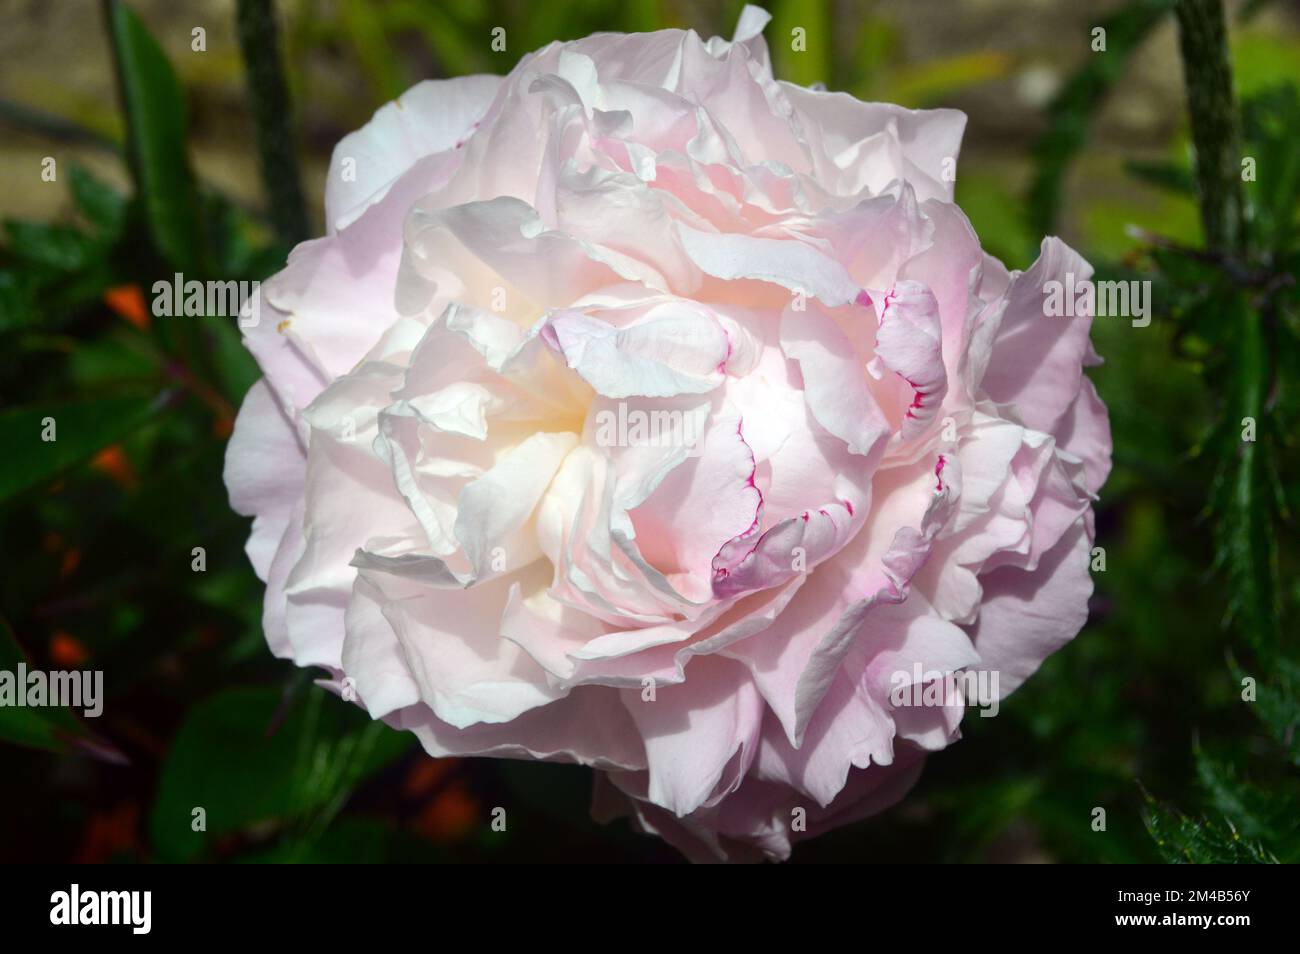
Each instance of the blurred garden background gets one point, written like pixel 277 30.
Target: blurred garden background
pixel 1143 715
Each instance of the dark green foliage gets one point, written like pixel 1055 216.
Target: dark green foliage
pixel 250 757
pixel 1183 840
pixel 1233 300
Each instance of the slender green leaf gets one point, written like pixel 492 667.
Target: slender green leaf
pixel 1277 704
pixel 1164 175
pixel 41 441
pixel 155 114
pixel 47 727
pixel 231 759
pixel 102 206
pixel 1182 839
pixel 59 247
pixel 1243 501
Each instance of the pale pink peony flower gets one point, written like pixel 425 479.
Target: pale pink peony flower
pixel 643 411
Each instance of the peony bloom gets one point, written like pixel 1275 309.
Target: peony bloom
pixel 643 411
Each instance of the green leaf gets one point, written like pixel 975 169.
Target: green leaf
pixel 235 369
pixel 366 34
pixel 16 309
pixel 1242 500
pixel 1164 175
pixel 59 247
pixel 98 202
pixel 1232 798
pixel 363 841
pixel 113 360
pixel 155 117
pixel 232 759
pixel 1278 704
pixel 1271 125
pixel 238 246
pixel 931 82
pixel 1181 839
pixel 48 727
pixel 356 841
pixel 78 428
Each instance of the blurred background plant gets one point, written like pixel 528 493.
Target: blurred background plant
pixel 161 150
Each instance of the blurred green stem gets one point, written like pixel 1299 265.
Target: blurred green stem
pixel 271 112
pixel 47 125
pixel 1212 105
pixel 1246 526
